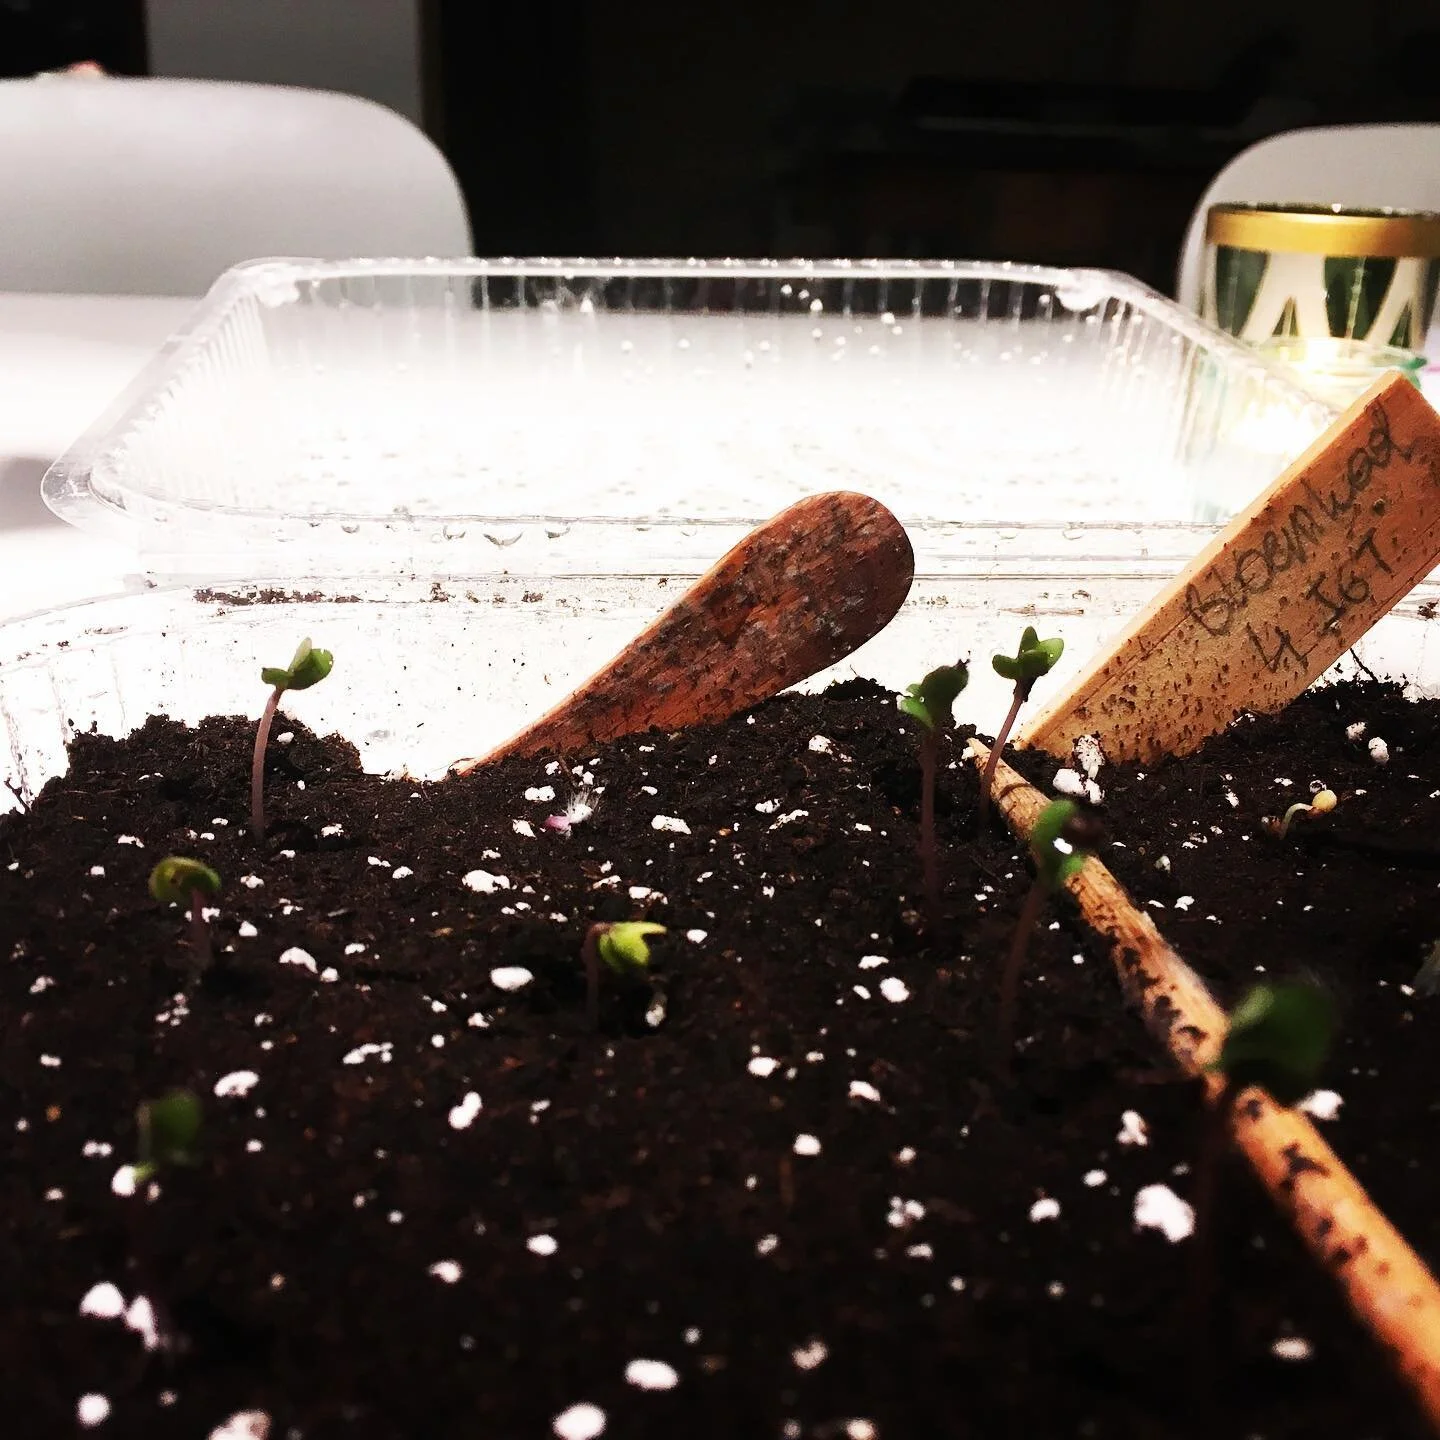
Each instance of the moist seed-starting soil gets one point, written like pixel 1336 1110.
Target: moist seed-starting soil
pixel 1240 904
pixel 645 1194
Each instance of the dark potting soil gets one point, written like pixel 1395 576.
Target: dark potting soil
pixel 802 1192
pixel 1352 897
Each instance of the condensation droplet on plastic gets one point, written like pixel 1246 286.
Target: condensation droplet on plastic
pixel 453 532
pixel 503 538
pixel 557 530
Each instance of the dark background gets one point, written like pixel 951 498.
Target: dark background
pixel 1060 131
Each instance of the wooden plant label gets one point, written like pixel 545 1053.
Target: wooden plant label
pixel 797 594
pixel 1279 595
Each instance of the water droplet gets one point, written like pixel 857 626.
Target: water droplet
pixel 453 532
pixel 503 538
pixel 556 529
pixel 350 529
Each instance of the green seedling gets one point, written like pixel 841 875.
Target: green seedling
pixel 623 948
pixel 178 880
pixel 1277 1038
pixel 169 1133
pixel 1034 658
pixel 1322 802
pixel 1058 842
pixel 932 703
pixel 309 667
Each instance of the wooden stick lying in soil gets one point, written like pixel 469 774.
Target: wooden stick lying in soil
pixel 1387 1286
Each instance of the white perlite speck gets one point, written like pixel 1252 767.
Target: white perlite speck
pixel 465 1112
pixel 904 1213
pixel 540 792
pixel 820 745
pixel 1379 751
pixel 1073 783
pixel 1158 1207
pixel 510 977
pixel 237 1082
pixel 871 962
pixel 807 1357
pixel 541 1245
pixel 122 1183
pixel 1291 1347
pixel 1094 1178
pixel 894 989
pixel 695 936
pixel 651 1375
pixel 247 931
pixel 361 1053
pixel 103 1302
pixel 762 1066
pixel 92 1410
pixel 401 872
pixel 1184 902
pixel 766 1244
pixel 1355 731
pixel 523 827
pixel 296 956
pixel 1133 1130
pixel 244 1425
pixel 1089 757
pixel 806 1145
pixel 141 1318
pixel 97 872
pixel 447 1271
pixel 1045 1209
pixel 672 823
pixel 579 1422
pixel 482 882
pixel 251 882
pixel 1322 1104
pixel 863 1090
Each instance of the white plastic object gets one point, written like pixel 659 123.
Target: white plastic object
pixel 569 416
pixel 1364 166
pixel 149 186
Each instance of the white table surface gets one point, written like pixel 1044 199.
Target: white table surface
pixel 63 359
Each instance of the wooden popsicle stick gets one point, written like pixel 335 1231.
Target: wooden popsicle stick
pixel 1386 1284
pixel 1280 594
pixel 800 592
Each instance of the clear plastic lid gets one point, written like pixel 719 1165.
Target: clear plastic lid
pixel 567 417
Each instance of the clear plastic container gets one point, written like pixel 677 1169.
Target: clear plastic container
pixel 484 478
pixel 636 417
pixel 427 672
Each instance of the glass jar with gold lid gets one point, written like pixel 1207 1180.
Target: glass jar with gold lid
pixel 1321 272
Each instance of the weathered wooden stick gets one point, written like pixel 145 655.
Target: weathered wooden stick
pixel 1385 1282
pixel 1280 594
pixel 797 594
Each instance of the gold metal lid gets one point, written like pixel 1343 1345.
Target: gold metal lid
pixel 1324 230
